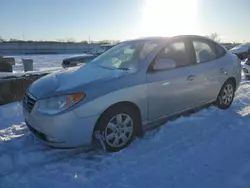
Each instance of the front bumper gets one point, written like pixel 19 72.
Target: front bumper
pixel 61 131
pixel 246 71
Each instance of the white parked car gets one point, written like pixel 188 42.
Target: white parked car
pixel 129 89
pixel 242 51
pixel 246 68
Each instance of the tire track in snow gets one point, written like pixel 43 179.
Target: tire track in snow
pixel 181 162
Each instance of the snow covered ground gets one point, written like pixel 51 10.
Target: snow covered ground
pixel 41 62
pixel 209 149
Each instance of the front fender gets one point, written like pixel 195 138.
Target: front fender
pixel 135 94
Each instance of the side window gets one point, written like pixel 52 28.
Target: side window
pixel 219 50
pixel 177 52
pixel 203 51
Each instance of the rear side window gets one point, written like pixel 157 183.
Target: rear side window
pixel 177 52
pixel 204 51
pixel 219 51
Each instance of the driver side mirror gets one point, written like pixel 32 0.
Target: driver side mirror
pixel 164 64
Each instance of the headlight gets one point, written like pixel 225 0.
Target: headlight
pixel 58 104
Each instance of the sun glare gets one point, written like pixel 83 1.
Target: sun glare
pixel 169 17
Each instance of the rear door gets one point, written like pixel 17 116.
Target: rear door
pixel 211 69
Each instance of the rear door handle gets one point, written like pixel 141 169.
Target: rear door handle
pixel 191 77
pixel 223 71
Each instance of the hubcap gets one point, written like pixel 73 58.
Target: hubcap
pixel 119 130
pixel 227 95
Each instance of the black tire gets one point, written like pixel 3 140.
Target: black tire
pixel 220 103
pixel 105 118
pixel 247 77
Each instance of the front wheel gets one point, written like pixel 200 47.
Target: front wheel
pixel 226 95
pixel 117 127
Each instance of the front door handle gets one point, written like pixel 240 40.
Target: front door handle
pixel 191 77
pixel 223 71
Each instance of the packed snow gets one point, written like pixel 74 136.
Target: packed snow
pixel 41 62
pixel 207 149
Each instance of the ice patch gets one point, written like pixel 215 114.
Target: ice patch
pixel 10 114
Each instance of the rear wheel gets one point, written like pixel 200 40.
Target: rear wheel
pixel 226 95
pixel 117 127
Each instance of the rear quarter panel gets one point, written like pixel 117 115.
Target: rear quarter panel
pixel 234 67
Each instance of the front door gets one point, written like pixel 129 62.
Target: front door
pixel 171 90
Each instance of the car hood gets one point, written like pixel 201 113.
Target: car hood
pixel 241 49
pixel 65 81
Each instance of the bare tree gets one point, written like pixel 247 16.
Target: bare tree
pixel 61 40
pixel 84 42
pixel 215 37
pixel 70 40
pixel 13 40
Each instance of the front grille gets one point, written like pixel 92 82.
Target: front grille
pixel 29 102
pixel 66 62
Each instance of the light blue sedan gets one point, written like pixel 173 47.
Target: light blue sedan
pixel 129 89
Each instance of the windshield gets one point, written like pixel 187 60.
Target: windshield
pixel 126 55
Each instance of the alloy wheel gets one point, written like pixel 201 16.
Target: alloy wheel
pixel 227 94
pixel 119 130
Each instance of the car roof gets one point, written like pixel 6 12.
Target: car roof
pixel 158 38
pixel 190 36
pixel 146 39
